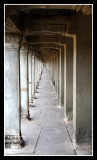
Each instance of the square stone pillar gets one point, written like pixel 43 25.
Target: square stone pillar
pixel 33 76
pixel 35 67
pixel 69 79
pixel 50 68
pixel 37 72
pixel 12 113
pixel 39 69
pixel 53 69
pixel 61 75
pixel 56 73
pixel 82 80
pixel 65 109
pixel 24 80
pixel 58 67
pixel 30 75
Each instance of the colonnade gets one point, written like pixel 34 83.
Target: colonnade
pixel 22 73
pixel 70 69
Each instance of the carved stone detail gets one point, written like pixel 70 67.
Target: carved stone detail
pixel 13 140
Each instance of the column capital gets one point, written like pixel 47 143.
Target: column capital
pixel 30 50
pixel 12 40
pixel 24 47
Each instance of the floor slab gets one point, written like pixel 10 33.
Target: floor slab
pixel 46 133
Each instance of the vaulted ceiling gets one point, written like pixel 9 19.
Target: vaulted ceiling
pixel 42 26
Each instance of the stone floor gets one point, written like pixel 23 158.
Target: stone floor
pixel 46 132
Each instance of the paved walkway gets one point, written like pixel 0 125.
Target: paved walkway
pixel 45 133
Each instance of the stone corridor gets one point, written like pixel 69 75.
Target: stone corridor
pixel 46 133
pixel 48 85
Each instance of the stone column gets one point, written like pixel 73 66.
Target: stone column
pixel 35 72
pixel 30 75
pixel 39 69
pixel 13 137
pixel 24 80
pixel 57 78
pixel 50 67
pixel 54 71
pixel 65 109
pixel 37 75
pixel 82 80
pixel 33 76
pixel 58 73
pixel 38 72
pixel 61 75
pixel 55 74
pixel 69 78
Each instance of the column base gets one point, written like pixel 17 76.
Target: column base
pixel 59 103
pixel 66 120
pixel 84 138
pixel 68 117
pixel 25 115
pixel 33 97
pixel 13 142
pixel 30 103
pixel 36 87
pixel 35 90
pixel 61 106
